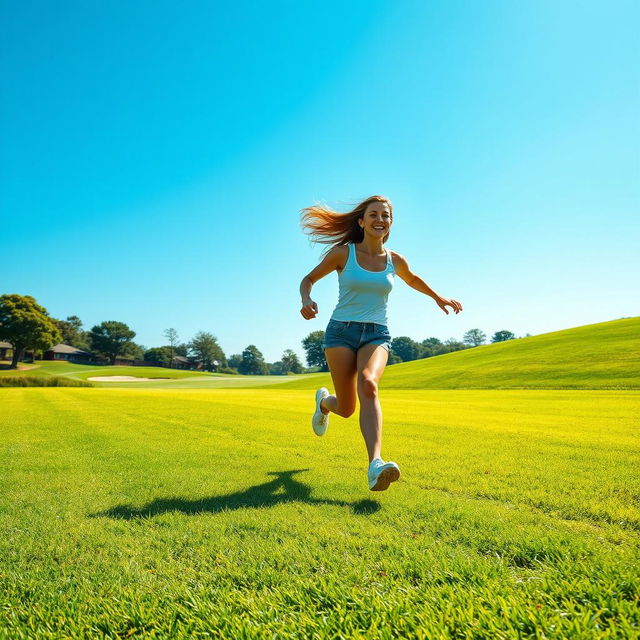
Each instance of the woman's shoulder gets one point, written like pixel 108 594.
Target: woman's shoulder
pixel 339 255
pixel 397 258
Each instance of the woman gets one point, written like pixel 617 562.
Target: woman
pixel 357 341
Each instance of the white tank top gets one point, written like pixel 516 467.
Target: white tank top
pixel 363 294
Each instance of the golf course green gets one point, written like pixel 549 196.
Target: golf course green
pixel 188 511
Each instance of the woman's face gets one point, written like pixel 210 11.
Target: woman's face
pixel 376 220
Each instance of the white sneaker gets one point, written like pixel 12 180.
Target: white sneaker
pixel 320 421
pixel 382 474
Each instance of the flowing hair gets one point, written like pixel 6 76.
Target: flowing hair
pixel 326 226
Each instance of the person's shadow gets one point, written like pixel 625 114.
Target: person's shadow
pixel 283 488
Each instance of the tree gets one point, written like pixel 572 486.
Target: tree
pixel 172 336
pixel 206 350
pixel 111 338
pixel 72 333
pixel 474 337
pixel 26 325
pixel 253 363
pixel 290 362
pixel 134 351
pixel 454 345
pixel 405 348
pixel 431 347
pixel 235 360
pixel 161 355
pixel 275 368
pixel 182 349
pixel 503 336
pixel 312 345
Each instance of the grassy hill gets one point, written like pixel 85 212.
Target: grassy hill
pixel 596 356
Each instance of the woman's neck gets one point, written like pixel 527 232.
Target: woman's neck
pixel 372 246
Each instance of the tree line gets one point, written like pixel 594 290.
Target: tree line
pixel 27 325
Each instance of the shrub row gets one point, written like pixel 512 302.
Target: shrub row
pixel 41 381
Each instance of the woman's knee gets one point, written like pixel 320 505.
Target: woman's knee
pixel 345 409
pixel 368 387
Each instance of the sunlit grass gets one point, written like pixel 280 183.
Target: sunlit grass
pixel 219 514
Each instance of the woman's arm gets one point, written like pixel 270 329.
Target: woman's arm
pixel 335 259
pixel 416 282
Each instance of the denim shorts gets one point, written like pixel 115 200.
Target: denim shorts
pixel 355 335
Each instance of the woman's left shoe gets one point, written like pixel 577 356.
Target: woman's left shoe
pixel 320 421
pixel 382 474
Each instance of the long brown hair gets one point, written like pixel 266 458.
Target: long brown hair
pixel 326 226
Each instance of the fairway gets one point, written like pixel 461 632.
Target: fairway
pixel 217 513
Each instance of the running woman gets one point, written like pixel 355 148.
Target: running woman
pixel 357 341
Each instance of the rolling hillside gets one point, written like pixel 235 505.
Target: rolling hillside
pixel 597 356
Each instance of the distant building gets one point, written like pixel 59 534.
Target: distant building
pixel 180 362
pixel 69 353
pixel 5 347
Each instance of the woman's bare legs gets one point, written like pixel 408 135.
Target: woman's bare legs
pixel 361 372
pixel 342 364
pixel 371 361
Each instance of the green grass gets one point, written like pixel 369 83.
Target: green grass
pixel 596 356
pixel 217 513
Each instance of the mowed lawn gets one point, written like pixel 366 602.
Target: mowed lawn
pixel 217 513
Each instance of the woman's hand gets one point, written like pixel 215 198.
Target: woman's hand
pixel 309 309
pixel 443 303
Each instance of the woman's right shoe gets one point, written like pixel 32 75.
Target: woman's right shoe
pixel 320 421
pixel 382 474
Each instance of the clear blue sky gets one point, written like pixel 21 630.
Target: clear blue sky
pixel 155 155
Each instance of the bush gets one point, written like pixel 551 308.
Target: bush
pixel 42 381
pixel 227 370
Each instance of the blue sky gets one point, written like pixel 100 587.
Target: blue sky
pixel 155 157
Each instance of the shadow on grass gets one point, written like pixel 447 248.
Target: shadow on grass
pixel 283 488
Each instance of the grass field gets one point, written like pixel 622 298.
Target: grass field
pixel 217 513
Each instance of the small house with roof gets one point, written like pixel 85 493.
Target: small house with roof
pixel 69 353
pixel 5 347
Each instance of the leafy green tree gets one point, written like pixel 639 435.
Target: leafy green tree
pixel 405 348
pixel 182 349
pixel 431 347
pixel 275 368
pixel 26 325
pixel 454 345
pixel 111 338
pixel 235 360
pixel 134 351
pixel 474 337
pixel 290 362
pixel 205 349
pixel 161 355
pixel 172 336
pixel 503 336
pixel 312 345
pixel 72 333
pixel 253 363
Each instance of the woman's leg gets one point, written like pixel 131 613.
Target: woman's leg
pixel 342 364
pixel 371 361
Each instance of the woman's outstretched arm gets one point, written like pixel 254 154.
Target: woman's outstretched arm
pixel 416 282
